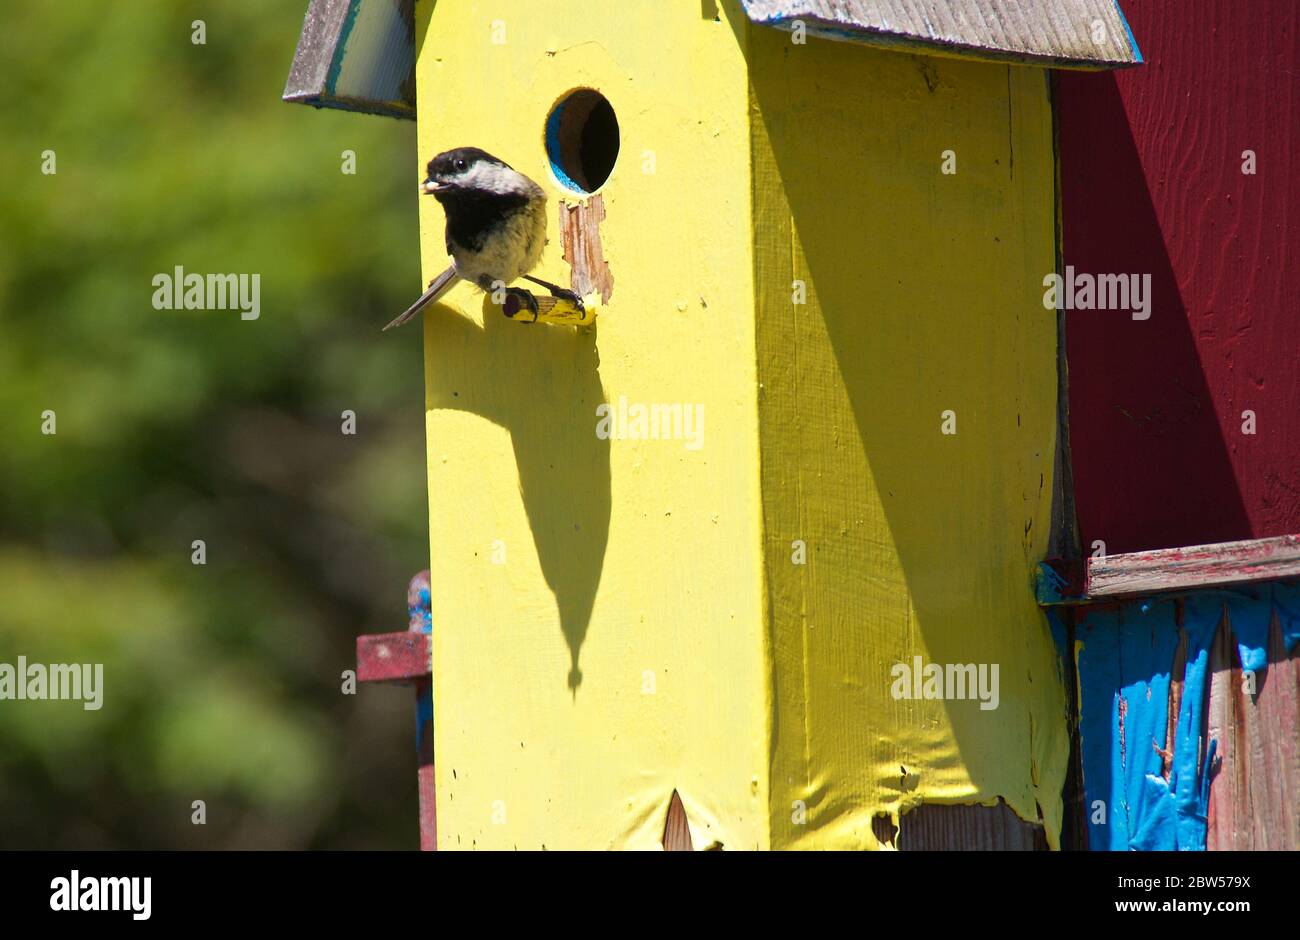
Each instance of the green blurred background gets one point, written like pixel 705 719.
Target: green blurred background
pixel 221 682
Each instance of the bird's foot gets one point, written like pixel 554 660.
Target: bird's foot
pixel 518 299
pixel 562 293
pixel 570 296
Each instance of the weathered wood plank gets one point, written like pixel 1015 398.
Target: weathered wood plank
pixel 1088 33
pixel 677 834
pixel 1255 794
pixel 933 826
pixel 1221 724
pixel 1194 567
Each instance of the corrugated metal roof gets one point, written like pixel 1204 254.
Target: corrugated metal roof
pixel 359 55
pixel 1074 33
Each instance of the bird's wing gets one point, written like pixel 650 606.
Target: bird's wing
pixel 437 287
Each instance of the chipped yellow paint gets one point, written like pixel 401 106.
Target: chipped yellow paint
pixel 618 619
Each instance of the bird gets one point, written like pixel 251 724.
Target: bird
pixel 496 228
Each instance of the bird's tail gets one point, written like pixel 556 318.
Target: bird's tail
pixel 437 287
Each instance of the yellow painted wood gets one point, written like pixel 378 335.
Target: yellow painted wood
pixel 644 629
pixel 627 562
pixel 923 297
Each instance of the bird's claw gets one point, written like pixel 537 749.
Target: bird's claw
pixel 570 296
pixel 519 299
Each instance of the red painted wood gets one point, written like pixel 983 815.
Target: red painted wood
pixel 406 659
pixel 1151 183
pixel 392 657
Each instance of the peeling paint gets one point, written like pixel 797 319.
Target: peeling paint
pixel 580 236
pixel 1144 686
pixel 1255 794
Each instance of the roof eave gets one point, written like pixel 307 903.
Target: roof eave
pixel 356 56
pixel 1045 33
pixel 837 32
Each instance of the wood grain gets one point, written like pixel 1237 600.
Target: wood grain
pixel 1051 31
pixel 1253 803
pixel 934 827
pixel 677 834
pixel 580 235
pixel 1197 566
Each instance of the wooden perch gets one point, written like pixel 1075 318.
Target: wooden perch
pixel 550 310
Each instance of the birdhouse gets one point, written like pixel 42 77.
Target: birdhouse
pixel 759 541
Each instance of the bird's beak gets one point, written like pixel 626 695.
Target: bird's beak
pixel 430 186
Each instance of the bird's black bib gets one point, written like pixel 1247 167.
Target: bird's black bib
pixel 472 217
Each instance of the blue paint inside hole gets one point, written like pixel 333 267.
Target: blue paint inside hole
pixel 582 140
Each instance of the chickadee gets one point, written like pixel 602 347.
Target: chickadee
pixel 496 227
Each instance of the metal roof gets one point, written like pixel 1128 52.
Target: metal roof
pixel 359 55
pixel 1071 33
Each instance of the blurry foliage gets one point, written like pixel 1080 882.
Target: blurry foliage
pixel 221 682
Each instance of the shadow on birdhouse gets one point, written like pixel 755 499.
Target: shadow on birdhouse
pixel 549 408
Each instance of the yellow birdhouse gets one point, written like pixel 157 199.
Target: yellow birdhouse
pixel 762 532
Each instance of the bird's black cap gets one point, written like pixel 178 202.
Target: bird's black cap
pixel 451 162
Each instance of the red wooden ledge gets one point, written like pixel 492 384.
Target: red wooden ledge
pixel 1194 567
pixel 393 657
pixel 406 659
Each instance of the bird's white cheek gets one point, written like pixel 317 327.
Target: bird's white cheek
pixel 493 179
